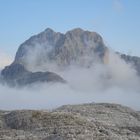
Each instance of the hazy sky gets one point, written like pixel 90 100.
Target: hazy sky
pixel 117 21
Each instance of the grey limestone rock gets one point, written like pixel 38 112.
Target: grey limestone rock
pixel 75 46
pixel 95 121
pixel 50 50
pixel 16 74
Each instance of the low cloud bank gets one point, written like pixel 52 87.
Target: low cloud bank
pixel 49 96
pixel 114 82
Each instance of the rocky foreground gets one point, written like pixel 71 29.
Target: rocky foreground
pixel 100 121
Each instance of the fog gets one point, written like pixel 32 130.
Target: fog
pixel 114 82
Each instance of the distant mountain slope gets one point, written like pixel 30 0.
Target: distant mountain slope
pixel 72 122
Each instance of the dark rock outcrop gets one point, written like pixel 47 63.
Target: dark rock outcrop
pixel 100 121
pixel 16 74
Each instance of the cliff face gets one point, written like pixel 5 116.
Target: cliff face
pixel 53 51
pixel 80 122
pixel 74 47
pixel 50 50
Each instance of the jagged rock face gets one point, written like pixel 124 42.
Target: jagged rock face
pixel 74 47
pixel 16 74
pixel 50 50
pixel 72 122
pixel 53 51
pixel 14 71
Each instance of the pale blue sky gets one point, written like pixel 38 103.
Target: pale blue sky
pixel 117 21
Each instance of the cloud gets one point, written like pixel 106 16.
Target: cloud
pixel 5 59
pixel 114 82
pixel 50 96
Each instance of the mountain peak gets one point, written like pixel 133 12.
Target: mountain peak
pixel 49 30
pixel 76 46
pixel 53 51
pixel 76 30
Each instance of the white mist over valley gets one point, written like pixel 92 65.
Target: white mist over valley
pixel 113 82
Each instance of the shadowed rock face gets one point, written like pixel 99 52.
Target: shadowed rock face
pixel 16 74
pixel 72 122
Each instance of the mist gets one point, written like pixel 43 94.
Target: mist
pixel 113 82
pixel 50 96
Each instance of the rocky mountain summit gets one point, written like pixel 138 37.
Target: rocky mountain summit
pixel 134 60
pixel 49 47
pixel 54 51
pixel 98 121
pixel 50 50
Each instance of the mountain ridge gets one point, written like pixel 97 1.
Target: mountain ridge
pixel 50 50
pixel 62 48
